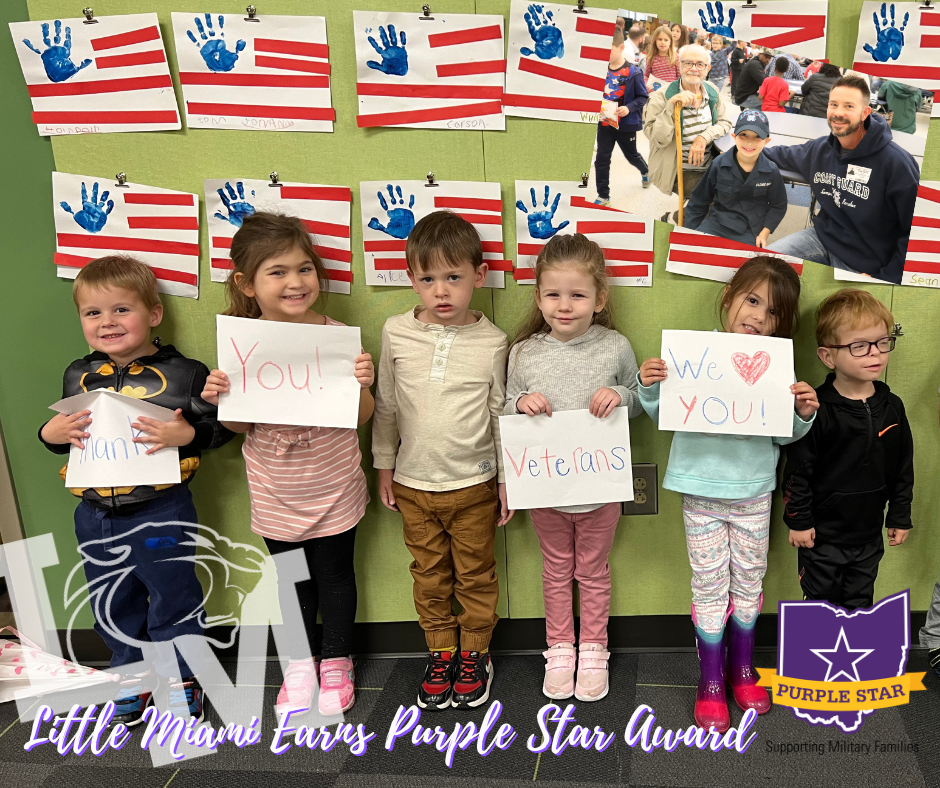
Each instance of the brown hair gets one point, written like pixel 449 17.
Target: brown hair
pixel 849 308
pixel 857 82
pixel 560 252
pixel 783 285
pixel 637 33
pixel 653 50
pixel 618 37
pixel 829 70
pixel 121 271
pixel 683 37
pixel 261 237
pixel 443 238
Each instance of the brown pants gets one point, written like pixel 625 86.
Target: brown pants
pixel 451 535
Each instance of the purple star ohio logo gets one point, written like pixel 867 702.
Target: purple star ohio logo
pixel 822 642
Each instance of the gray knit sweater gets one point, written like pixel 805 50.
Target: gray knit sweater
pixel 568 374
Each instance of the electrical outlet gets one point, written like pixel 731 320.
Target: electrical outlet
pixel 645 490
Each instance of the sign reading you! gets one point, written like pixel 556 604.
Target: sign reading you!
pixel 566 459
pixel 732 384
pixel 288 373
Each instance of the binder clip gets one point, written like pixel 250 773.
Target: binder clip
pixel 749 4
pixel 274 180
pixel 584 180
pixel 122 181
pixel 89 15
pixel 431 182
pixel 927 7
pixel 897 331
pixel 580 8
pixel 252 14
pixel 425 14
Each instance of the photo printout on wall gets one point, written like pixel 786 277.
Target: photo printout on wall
pixel 445 71
pixel 709 257
pixel 325 210
pixel 95 217
pixel 557 61
pixel 271 73
pixel 96 78
pixel 391 208
pixel 545 208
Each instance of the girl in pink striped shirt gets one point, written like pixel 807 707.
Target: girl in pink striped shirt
pixel 662 62
pixel 307 487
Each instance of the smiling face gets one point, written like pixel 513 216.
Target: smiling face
pixel 749 145
pixel 752 312
pixel 846 111
pixel 446 291
pixel 694 64
pixel 856 370
pixel 568 298
pixel 115 321
pixel 285 287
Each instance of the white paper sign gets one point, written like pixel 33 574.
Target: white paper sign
pixel 566 459
pixel 289 373
pixel 730 384
pixel 110 457
pixel 899 41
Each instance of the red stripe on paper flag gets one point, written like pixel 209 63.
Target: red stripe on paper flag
pixel 595 27
pixel 221 242
pixel 559 74
pixel 581 202
pixel 326 228
pixel 523 274
pixel 595 53
pixel 703 258
pixel 628 270
pixel 332 253
pixel 223 263
pixel 711 241
pixel 499 265
pixel 116 118
pixel 427 115
pixel 131 59
pixel 101 86
pixel 328 193
pixel 258 111
pixel 611 227
pixel 291 64
pixel 127 244
pixel 930 42
pixel 481 218
pixel 898 72
pixel 806 28
pixel 126 39
pixel 525 249
pixel 921 267
pixel 924 221
pixel 629 255
pixel 302 48
pixel 928 247
pixel 163 222
pixel 385 246
pixel 929 20
pixel 254 80
pixel 547 102
pixel 74 261
pixel 339 276
pixel 390 264
pixel 928 193
pixel 465 69
pixel 496 247
pixel 158 199
pixel 430 91
pixel 475 203
pixel 488 33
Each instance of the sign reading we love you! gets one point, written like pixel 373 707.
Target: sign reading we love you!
pixel 566 459
pixel 288 373
pixel 732 384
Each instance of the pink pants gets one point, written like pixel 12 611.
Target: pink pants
pixel 576 547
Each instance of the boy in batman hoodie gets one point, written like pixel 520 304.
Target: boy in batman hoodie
pixel 865 184
pixel 857 457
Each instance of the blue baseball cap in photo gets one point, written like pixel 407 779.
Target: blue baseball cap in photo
pixel 753 120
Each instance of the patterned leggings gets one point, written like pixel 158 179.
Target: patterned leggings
pixel 727 543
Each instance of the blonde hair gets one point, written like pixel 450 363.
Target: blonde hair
pixel 849 308
pixel 127 273
pixel 653 51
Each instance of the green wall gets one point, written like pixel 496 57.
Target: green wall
pixel 649 562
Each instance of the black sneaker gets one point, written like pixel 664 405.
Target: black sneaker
pixel 435 691
pixel 184 698
pixel 933 657
pixel 472 686
pixel 133 697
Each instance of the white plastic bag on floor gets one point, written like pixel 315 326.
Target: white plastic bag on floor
pixel 27 671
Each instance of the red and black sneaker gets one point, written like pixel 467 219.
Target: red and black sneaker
pixel 435 691
pixel 472 687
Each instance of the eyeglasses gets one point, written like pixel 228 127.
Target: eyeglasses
pixel 860 349
pixel 696 65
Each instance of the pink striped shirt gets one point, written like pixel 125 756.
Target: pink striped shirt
pixel 304 482
pixel 659 67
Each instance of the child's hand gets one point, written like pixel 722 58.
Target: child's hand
pixel 67 429
pixel 533 404
pixel 761 241
pixel 652 371
pixel 806 402
pixel 365 370
pixel 217 383
pixel 897 536
pixel 622 112
pixel 803 538
pixel 505 513
pixel 603 402
pixel 160 434
pixel 385 489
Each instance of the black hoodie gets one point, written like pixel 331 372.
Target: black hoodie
pixel 857 457
pixel 865 220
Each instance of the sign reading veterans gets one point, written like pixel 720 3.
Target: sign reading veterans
pixel 730 384
pixel 566 459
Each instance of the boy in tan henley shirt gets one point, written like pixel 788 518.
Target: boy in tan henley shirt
pixel 441 389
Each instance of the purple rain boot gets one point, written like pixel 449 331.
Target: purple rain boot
pixel 740 669
pixel 711 705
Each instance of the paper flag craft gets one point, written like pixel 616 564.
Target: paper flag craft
pixel 545 208
pixel 94 217
pixel 799 26
pixel 709 257
pixel 325 210
pixel 391 208
pixel 557 61
pixel 899 41
pixel 110 457
pixel 107 76
pixel 442 72
pixel 270 74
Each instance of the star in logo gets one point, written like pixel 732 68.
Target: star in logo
pixel 841 656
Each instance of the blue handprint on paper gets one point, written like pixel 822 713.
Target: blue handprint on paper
pixel 540 222
pixel 236 204
pixel 57 59
pixel 213 50
pixel 547 37
pixel 394 56
pixel 717 27
pixel 94 213
pixel 890 38
pixel 401 220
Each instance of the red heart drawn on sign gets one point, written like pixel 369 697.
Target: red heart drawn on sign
pixel 751 368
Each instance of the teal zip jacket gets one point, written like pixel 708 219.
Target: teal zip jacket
pixel 730 467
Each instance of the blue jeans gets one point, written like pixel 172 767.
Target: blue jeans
pixel 806 245
pixel 718 82
pixel 712 227
pixel 753 101
pixel 159 564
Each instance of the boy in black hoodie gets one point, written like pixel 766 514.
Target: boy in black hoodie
pixel 118 305
pixel 857 458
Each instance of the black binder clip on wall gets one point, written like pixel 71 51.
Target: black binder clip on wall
pixel 584 180
pixel 897 331
pixel 749 4
pixel 431 182
pixel 89 15
pixel 252 14
pixel 121 179
pixel 580 8
pixel 927 7
pixel 274 181
pixel 425 14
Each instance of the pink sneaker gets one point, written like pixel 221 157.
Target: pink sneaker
pixel 559 671
pixel 337 687
pixel 300 682
pixel 592 672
